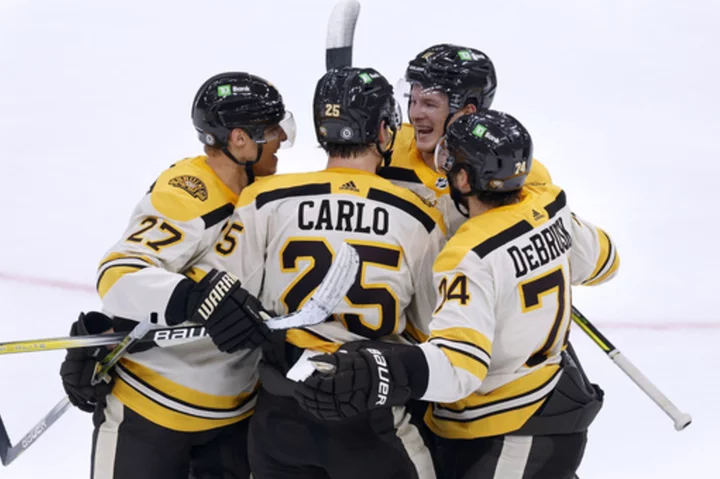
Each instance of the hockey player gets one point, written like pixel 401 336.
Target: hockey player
pixel 441 83
pixel 508 401
pixel 182 409
pixel 294 224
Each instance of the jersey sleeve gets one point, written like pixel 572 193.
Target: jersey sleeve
pixel 462 328
pixel 423 302
pixel 593 256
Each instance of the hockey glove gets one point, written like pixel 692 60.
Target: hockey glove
pixel 233 318
pixel 349 383
pixel 78 367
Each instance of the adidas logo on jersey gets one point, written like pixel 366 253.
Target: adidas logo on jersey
pixel 537 216
pixel 350 186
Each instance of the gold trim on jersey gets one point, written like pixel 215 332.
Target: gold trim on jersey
pixel 608 261
pixel 406 156
pixel 307 339
pixel 465 348
pixel 176 204
pixel 415 334
pixel 196 274
pixel 501 411
pixel 175 406
pixel 116 265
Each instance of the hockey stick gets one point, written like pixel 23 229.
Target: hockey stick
pixel 340 32
pixel 681 419
pixel 10 452
pixel 333 288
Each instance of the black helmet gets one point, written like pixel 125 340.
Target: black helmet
pixel 349 105
pixel 492 146
pixel 464 74
pixel 235 100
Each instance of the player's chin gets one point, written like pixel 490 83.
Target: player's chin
pixel 426 142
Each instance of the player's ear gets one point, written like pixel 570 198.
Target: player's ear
pixel 466 110
pixel 238 138
pixel 461 180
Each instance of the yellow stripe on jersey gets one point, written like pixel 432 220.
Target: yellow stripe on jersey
pixel 613 269
pixel 415 333
pixel 341 181
pixel 604 253
pixel 608 260
pixel 169 418
pixel 502 411
pixel 116 265
pixel 306 340
pixel 196 274
pixel 461 359
pixel 464 335
pixel 179 392
pixel 466 348
pixel 114 256
pixel 190 190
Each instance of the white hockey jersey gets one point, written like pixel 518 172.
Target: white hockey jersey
pixel 408 169
pixel 190 386
pixel 504 311
pixel 293 224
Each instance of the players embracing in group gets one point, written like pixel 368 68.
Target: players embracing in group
pixel 448 358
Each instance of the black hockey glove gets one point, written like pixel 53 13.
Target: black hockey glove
pixel 233 318
pixel 375 375
pixel 79 366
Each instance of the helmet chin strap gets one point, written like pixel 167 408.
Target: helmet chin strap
pixel 387 154
pixel 247 164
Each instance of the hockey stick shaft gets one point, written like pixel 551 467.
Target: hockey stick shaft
pixel 333 288
pixel 680 419
pixel 331 291
pixel 340 32
pixel 10 452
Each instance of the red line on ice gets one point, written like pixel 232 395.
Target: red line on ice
pixel 659 326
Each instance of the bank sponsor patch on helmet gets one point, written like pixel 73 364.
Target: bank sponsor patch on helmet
pixel 479 131
pixel 224 90
pixel 365 77
pixel 191 184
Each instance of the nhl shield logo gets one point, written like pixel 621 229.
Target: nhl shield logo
pixel 441 182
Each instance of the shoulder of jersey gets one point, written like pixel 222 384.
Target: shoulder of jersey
pixel 539 174
pixel 402 149
pixel 189 190
pixel 486 233
pixel 341 181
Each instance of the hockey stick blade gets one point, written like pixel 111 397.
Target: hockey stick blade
pixel 10 452
pixel 340 33
pixel 333 288
pixel 338 280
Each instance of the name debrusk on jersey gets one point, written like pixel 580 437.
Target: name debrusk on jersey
pixel 503 312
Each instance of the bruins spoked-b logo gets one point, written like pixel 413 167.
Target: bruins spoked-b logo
pixel 191 184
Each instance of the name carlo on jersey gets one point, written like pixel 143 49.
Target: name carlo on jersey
pixel 343 215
